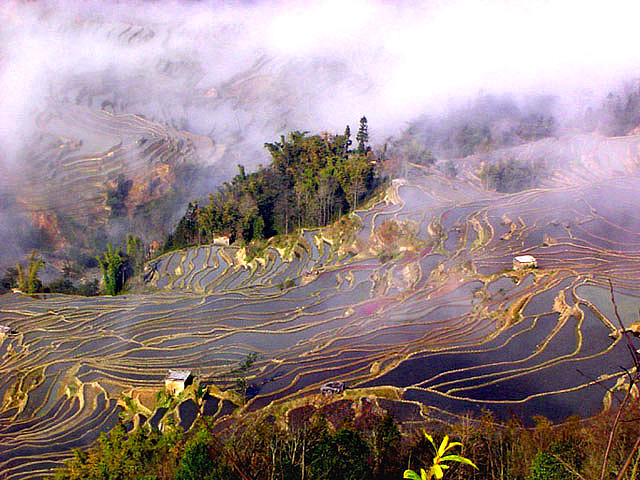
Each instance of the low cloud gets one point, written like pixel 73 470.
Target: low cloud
pixel 244 73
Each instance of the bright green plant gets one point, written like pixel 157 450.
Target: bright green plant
pixel 438 467
pixel 30 283
pixel 111 267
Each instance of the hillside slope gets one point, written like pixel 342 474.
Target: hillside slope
pixel 416 293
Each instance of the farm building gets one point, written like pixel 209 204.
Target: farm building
pixel 331 388
pixel 177 380
pixel 222 240
pixel 524 261
pixel 5 330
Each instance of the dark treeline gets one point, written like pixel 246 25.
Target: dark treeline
pixel 490 122
pixel 508 176
pixel 620 111
pixel 26 280
pixel 117 268
pixel 484 124
pixel 311 181
pixel 371 446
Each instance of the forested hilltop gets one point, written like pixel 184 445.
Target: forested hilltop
pixel 311 181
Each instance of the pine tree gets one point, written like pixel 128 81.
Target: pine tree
pixel 363 136
pixel 347 140
pixel 135 253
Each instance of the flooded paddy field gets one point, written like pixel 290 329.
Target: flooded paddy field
pixel 443 317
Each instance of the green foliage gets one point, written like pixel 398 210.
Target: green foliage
pixel 197 462
pixel 347 141
pixel 29 282
pixel 61 285
pixel 472 139
pixel 135 255
pixel 288 283
pixel 9 280
pixel 240 373
pixel 363 136
pixel 119 456
pixel 112 272
pixel 450 169
pixel 536 126
pixel 511 176
pixel 342 455
pixel 387 449
pixel 66 286
pixel 484 124
pixel 88 289
pixel 552 463
pixel 621 110
pixel 420 155
pixel 547 467
pixel 117 196
pixel 260 446
pixel 311 181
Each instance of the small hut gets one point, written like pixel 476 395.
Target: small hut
pixel 524 261
pixel 222 240
pixel 4 330
pixel 332 388
pixel 177 380
pixel 154 248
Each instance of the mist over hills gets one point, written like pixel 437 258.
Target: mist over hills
pixel 223 79
pixel 501 127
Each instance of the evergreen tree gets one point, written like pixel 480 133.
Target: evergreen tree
pixel 308 183
pixel 450 169
pixel 363 135
pixel 135 254
pixel 197 463
pixel 347 142
pixel 10 280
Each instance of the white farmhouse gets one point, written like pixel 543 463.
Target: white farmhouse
pixel 524 261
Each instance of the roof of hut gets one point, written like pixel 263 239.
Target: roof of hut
pixel 180 375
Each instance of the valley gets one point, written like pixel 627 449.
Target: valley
pixel 447 321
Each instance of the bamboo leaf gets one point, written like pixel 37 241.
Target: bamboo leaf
pixel 443 445
pixel 458 458
pixel 430 438
pixel 453 444
pixel 411 475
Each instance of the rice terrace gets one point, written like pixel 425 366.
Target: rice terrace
pixel 267 232
pixel 448 324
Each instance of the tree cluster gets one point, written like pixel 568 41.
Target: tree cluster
pixel 61 285
pixel 619 113
pixel 117 196
pixel 28 282
pixel 484 124
pixel 508 176
pixel 311 181
pixel 255 449
pixel 258 447
pixel 117 267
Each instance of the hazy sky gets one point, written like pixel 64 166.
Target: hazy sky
pixel 275 66
pixel 401 58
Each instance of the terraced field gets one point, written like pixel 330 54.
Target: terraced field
pixel 436 311
pixel 82 154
